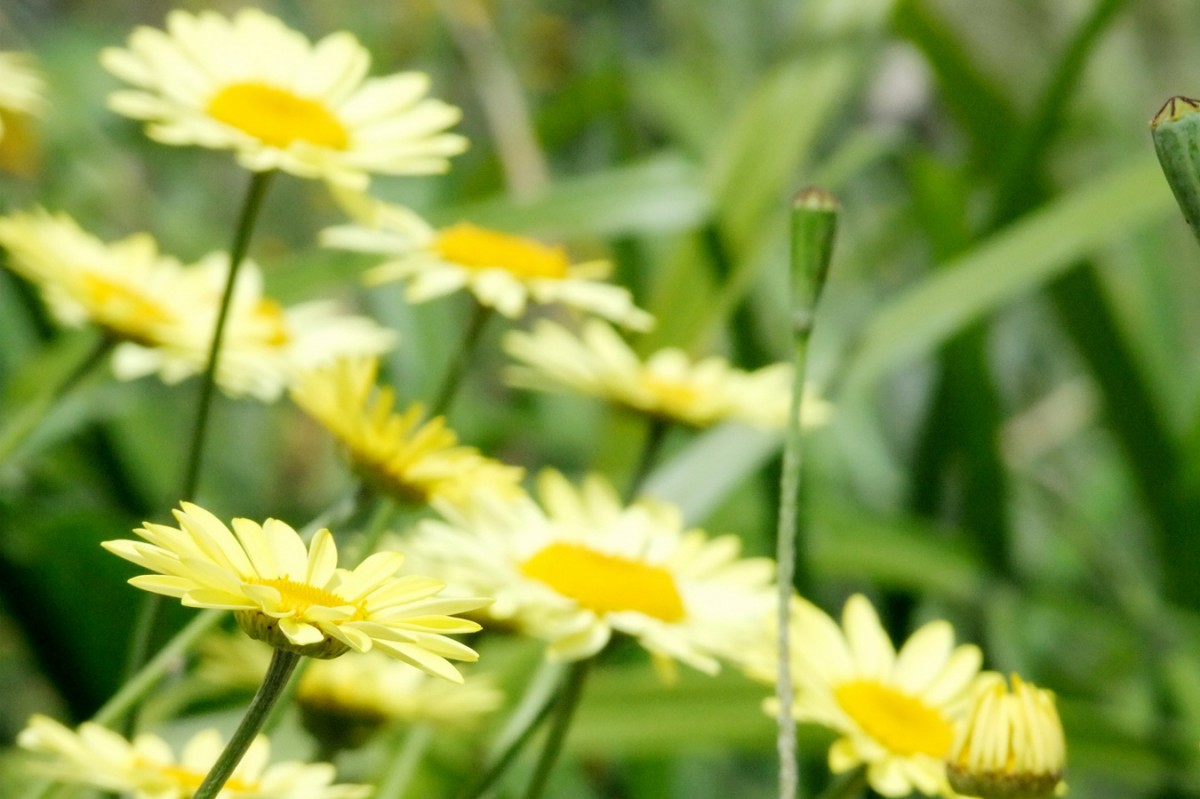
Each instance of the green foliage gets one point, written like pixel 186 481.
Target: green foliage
pixel 1008 336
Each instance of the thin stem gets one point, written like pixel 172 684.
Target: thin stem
pixel 148 614
pixel 656 434
pixel 283 663
pixel 28 417
pixel 568 701
pixel 509 755
pixel 399 774
pixel 480 314
pixel 237 255
pixel 850 785
pixel 814 218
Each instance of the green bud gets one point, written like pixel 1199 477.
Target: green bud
pixel 1176 133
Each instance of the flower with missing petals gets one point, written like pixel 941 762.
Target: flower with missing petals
pixel 295 597
pixel 502 271
pixel 252 85
pixel 147 768
pixel 402 455
pixel 668 385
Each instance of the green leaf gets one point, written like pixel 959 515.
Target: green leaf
pixel 1016 260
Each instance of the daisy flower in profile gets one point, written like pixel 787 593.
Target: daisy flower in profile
pixel 252 85
pixel 502 271
pixel 581 566
pixel 295 597
pixel 897 713
pixel 127 288
pixel 401 455
pixel 22 97
pixel 1012 746
pixel 147 768
pixel 267 347
pixel 667 385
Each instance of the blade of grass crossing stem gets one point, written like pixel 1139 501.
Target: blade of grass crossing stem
pixel 814 222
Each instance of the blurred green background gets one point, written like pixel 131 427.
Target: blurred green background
pixel 1009 336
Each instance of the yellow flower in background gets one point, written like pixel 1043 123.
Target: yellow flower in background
pixel 668 384
pixel 295 597
pixel 128 288
pixel 266 348
pixel 581 566
pixel 252 85
pixel 22 98
pixel 402 455
pixel 897 713
pixel 1012 746
pixel 502 271
pixel 148 769
pixel 164 312
pixel 345 701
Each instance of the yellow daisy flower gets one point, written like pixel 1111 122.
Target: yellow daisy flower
pixel 582 566
pixel 22 97
pixel 164 312
pixel 128 287
pixel 1012 746
pixel 266 348
pixel 896 713
pixel 148 769
pixel 252 85
pixel 667 385
pixel 502 271
pixel 400 454
pixel 295 597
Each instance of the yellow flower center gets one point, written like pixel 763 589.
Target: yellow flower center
pixel 271 316
pixel 299 597
pixel 277 117
pixel 670 395
pixel 121 305
pixel 186 778
pixel 606 583
pixel 901 723
pixel 477 248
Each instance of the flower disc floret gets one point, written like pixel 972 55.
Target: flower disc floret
pixel 252 85
pixel 295 597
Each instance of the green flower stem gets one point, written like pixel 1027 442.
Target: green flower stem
pixel 656 434
pixel 237 255
pixel 27 418
pixel 278 674
pixel 480 314
pixel 534 708
pixel 568 701
pixel 147 620
pixel 814 217
pixel 850 785
pixel 395 780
